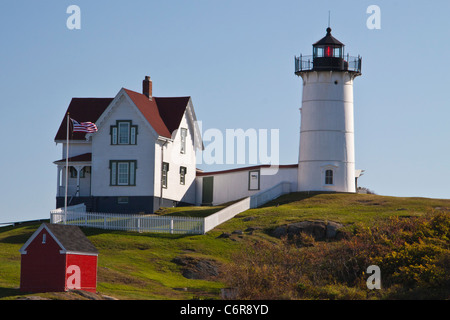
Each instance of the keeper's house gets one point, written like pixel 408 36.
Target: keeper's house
pixel 124 166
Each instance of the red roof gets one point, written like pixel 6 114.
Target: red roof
pixel 282 166
pixel 82 110
pixel 172 111
pixel 86 157
pixel 163 114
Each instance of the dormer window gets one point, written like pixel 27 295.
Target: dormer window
pixel 124 133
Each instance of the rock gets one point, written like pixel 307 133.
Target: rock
pixel 181 289
pixel 333 230
pixel 87 295
pixel 224 235
pixel 279 232
pixel 237 232
pixel 319 230
pixel 249 218
pixel 229 293
pixel 196 268
pixel 316 229
pixel 32 298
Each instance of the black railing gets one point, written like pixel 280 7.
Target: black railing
pixel 306 63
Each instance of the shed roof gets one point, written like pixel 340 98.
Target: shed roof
pixel 85 157
pixel 70 238
pixel 201 173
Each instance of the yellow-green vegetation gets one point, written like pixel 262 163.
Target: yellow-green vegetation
pixel 152 266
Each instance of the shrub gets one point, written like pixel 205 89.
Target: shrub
pixel 413 255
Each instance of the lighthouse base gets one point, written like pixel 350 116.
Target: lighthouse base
pixel 331 176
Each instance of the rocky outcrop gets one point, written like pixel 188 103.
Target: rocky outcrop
pixel 319 230
pixel 196 268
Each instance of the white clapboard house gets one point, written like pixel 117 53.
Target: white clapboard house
pixel 141 158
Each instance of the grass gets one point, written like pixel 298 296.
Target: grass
pixel 140 265
pixel 198 212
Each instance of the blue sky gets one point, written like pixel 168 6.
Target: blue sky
pixel 236 60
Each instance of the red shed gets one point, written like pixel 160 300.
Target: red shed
pixel 57 258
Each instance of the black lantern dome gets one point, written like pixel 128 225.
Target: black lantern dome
pixel 328 55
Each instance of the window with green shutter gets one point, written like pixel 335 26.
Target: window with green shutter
pixel 122 172
pixel 124 133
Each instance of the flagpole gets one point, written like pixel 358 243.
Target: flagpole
pixel 67 168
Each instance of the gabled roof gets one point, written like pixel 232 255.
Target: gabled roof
pixel 172 111
pixel 70 238
pixel 163 114
pixel 82 110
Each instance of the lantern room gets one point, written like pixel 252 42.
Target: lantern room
pixel 328 47
pixel 328 55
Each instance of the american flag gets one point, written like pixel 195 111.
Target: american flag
pixel 84 126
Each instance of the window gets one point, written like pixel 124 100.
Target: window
pixel 123 172
pixel 122 200
pixel 337 52
pixel 164 172
pixel 44 238
pixel 73 172
pixel 183 171
pixel 123 133
pixel 318 52
pixel 253 180
pixel 183 140
pixel 329 177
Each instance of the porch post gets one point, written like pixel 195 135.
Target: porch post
pixel 58 181
pixel 78 168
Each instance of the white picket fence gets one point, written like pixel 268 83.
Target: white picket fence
pixel 78 216
pixel 130 222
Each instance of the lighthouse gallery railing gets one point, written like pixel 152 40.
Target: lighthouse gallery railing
pixel 306 63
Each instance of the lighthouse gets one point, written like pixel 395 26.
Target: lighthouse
pixel 327 147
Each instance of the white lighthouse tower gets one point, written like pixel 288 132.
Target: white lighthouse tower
pixel 327 148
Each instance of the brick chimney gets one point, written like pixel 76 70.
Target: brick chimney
pixel 147 87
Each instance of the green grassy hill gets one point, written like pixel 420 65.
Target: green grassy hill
pixel 162 266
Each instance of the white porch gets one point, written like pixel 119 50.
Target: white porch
pixel 78 176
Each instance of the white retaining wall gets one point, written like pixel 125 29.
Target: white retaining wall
pixel 254 201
